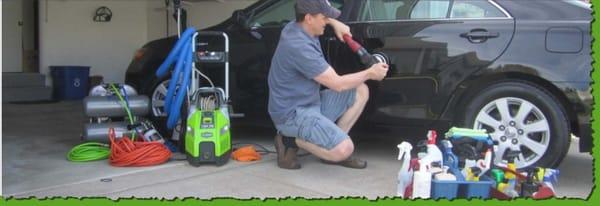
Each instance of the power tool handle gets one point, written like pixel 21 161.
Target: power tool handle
pixel 365 58
pixel 355 46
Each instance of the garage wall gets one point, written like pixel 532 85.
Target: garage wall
pixel 69 36
pixel 200 15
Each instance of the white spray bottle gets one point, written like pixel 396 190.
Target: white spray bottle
pixel 422 182
pixel 433 152
pixel 405 174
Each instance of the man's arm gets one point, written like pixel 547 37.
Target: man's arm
pixel 333 81
pixel 339 28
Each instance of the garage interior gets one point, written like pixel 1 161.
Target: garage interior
pixel 37 132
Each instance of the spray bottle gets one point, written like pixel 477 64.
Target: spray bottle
pixel 422 182
pixel 405 174
pixel 433 152
pixel 450 159
pixel 486 163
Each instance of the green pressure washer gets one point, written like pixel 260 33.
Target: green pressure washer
pixel 208 136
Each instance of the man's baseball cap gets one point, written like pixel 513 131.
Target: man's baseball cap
pixel 316 7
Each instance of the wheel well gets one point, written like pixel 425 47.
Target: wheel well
pixel 473 87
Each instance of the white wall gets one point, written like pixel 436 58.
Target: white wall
pixel 69 36
pixel 12 49
pixel 200 15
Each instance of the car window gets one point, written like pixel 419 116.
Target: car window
pixel 282 12
pixel 474 9
pixel 430 9
pixel 377 10
pixel 337 3
pixel 374 10
pixel 275 15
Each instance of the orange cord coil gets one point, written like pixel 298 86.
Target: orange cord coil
pixel 128 153
pixel 245 154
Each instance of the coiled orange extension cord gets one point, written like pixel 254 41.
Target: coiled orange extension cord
pixel 127 153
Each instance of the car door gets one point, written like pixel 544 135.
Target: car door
pixel 252 47
pixel 432 45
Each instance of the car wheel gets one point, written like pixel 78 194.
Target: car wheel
pixel 521 116
pixel 158 114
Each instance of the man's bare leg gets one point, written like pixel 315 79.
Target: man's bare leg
pixel 343 150
pixel 340 152
pixel 349 118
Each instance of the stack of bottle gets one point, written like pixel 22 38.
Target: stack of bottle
pixel 461 166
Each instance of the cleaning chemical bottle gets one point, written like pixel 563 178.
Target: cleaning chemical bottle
pixel 497 176
pixel 511 155
pixel 473 173
pixel 469 163
pixel 551 178
pixel 433 152
pixel 530 185
pixel 405 174
pixel 511 178
pixel 450 159
pixel 546 189
pixel 422 182
pixel 486 163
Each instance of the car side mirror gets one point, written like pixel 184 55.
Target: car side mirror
pixel 241 18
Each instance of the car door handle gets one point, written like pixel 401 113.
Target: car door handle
pixel 479 35
pixel 255 33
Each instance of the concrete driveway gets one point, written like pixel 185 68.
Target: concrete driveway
pixel 36 138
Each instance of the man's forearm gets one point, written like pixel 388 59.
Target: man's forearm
pixel 350 81
pixel 333 22
pixel 340 28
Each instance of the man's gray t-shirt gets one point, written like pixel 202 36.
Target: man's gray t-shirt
pixel 297 61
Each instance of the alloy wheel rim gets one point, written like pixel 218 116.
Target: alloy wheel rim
pixel 158 106
pixel 515 124
pixel 158 99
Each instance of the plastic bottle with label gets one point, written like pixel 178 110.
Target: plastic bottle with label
pixel 405 174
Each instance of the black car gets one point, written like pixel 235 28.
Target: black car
pixel 520 69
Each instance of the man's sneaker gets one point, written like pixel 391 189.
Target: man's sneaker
pixel 351 162
pixel 286 156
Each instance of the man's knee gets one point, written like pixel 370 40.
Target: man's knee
pixel 362 93
pixel 342 151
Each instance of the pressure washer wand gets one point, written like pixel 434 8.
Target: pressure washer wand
pixel 177 10
pixel 365 57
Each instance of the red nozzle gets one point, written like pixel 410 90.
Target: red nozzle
pixel 355 46
pixel 431 137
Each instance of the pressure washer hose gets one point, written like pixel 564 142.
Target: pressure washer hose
pixel 181 55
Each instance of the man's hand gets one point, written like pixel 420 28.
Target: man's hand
pixel 378 71
pixel 339 28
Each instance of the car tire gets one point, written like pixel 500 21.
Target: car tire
pixel 521 115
